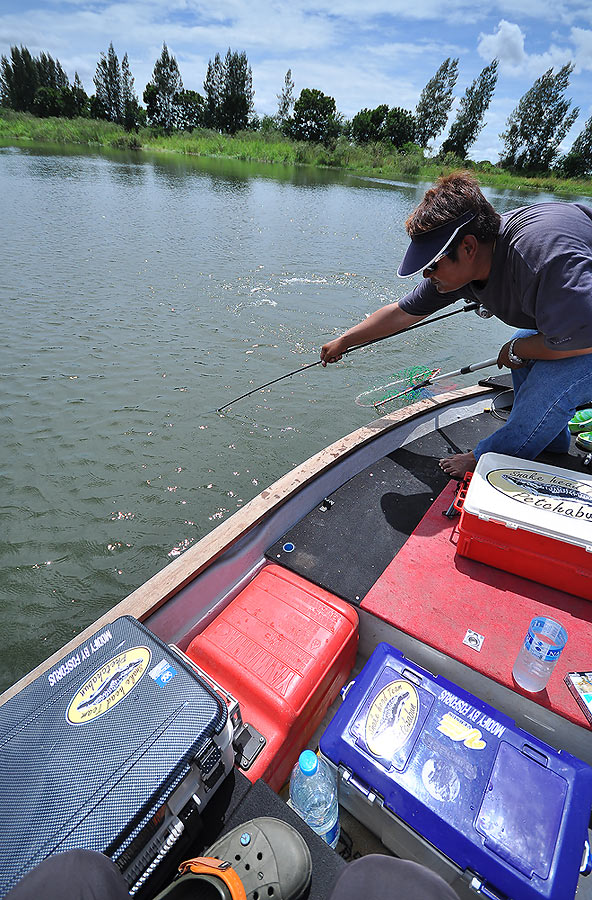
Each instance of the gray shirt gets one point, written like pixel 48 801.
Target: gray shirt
pixel 540 278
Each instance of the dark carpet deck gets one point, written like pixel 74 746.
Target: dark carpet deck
pixel 345 546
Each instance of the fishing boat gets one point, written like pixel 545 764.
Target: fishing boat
pixel 368 529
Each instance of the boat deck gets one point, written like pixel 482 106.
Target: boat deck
pixel 344 544
pixel 350 544
pixel 367 544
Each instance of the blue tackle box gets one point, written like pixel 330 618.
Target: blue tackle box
pixel 443 778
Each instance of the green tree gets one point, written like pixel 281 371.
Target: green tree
pixel 79 101
pixel 96 108
pixel 51 73
pixel 130 108
pixel 368 124
pixel 435 102
pixel 32 84
pixel 469 120
pixel 315 118
pixel 539 123
pixel 48 101
pixel 19 79
pixel 578 162
pixel 108 86
pixel 285 100
pixel 236 100
pixel 159 95
pixel 399 127
pixel 228 87
pixel 213 86
pixel 395 126
pixel 191 110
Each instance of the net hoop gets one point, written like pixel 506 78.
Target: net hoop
pixel 403 384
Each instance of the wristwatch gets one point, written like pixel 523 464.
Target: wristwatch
pixel 513 357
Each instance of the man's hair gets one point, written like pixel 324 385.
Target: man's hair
pixel 452 196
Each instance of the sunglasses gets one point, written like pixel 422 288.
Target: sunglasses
pixel 433 266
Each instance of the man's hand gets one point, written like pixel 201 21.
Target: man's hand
pixel 503 358
pixel 332 351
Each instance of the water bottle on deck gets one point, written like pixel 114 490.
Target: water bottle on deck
pixel 542 646
pixel 313 795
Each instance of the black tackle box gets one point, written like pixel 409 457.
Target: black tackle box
pixel 117 749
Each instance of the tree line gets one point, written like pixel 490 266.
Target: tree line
pixel 531 140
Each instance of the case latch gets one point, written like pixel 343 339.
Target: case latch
pixel 476 884
pixel 368 793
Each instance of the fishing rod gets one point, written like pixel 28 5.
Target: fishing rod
pixel 469 307
pixel 433 377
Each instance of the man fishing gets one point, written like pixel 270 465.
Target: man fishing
pixel 532 268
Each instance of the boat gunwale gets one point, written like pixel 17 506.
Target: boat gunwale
pixel 172 578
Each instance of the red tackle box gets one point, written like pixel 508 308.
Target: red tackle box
pixel 531 519
pixel 283 648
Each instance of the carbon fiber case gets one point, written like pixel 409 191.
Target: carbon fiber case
pixel 116 749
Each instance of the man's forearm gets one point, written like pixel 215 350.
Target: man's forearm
pixel 381 323
pixel 533 347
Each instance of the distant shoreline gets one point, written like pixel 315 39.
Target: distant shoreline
pixel 375 160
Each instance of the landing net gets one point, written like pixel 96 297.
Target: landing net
pixel 404 388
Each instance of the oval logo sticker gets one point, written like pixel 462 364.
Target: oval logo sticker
pixel 109 684
pixel 564 496
pixel 391 718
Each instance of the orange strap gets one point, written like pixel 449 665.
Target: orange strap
pixel 207 865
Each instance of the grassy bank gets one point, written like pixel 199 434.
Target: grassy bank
pixel 374 160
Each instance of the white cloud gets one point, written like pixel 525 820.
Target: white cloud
pixel 507 44
pixel 582 40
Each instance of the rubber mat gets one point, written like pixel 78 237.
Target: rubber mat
pixel 347 542
pixel 260 800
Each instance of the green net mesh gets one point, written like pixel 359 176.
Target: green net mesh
pixel 384 399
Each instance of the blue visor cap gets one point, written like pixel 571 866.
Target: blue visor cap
pixel 427 246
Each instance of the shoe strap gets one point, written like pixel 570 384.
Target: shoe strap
pixel 207 865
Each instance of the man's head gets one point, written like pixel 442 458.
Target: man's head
pixel 449 212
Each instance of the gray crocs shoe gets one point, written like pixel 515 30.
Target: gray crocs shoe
pixel 269 856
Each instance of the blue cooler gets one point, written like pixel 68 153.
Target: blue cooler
pixel 444 779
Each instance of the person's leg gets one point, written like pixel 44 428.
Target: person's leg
pixel 561 442
pixel 546 395
pixel 378 877
pixel 75 875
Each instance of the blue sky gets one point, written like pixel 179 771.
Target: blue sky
pixel 361 53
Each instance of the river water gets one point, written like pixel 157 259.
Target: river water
pixel 140 293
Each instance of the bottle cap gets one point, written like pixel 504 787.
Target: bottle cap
pixel 308 762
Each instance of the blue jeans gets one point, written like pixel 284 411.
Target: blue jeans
pixel 546 395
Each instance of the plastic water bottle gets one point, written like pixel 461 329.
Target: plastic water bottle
pixel 313 794
pixel 542 646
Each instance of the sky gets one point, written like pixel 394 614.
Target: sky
pixel 361 52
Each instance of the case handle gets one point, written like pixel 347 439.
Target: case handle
pixel 461 493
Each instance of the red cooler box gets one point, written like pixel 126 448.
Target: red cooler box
pixel 283 648
pixel 531 519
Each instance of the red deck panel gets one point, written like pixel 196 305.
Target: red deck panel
pixel 435 595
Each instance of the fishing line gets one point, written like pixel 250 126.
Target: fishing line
pixel 469 307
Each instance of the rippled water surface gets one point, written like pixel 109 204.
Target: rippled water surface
pixel 138 294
